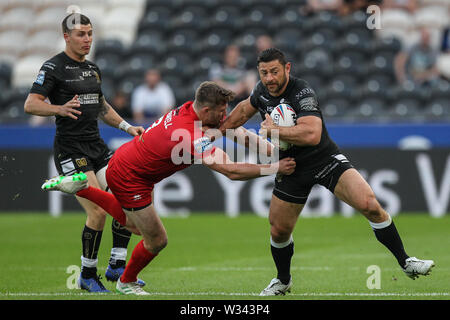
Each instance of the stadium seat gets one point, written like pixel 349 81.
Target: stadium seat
pixel 441 90
pixel 397 18
pixel 369 109
pixel 381 63
pixel 352 63
pixel 135 4
pixel 322 20
pixel 156 18
pixel 95 12
pixel 49 19
pixel 315 81
pixel 181 40
pixel 259 17
pixel 246 39
pixel 431 17
pixel 315 57
pixel 109 46
pixel 351 22
pixel 5 75
pixel 11 42
pixel 14 19
pixel 177 64
pixel 108 63
pixel 354 42
pixel 14 100
pixel 26 70
pixel 214 41
pixel 443 65
pixel 335 107
pixel 228 17
pixel 42 42
pixel 148 42
pixel 437 109
pixel 139 62
pixel 127 85
pixel 288 39
pixel 120 23
pixel 194 18
pixel 290 17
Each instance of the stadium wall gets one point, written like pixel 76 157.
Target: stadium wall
pixel 407 166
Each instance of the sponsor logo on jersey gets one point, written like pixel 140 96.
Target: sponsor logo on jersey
pixel 86 73
pixel 40 78
pixel 340 157
pixel 304 92
pixel 81 162
pixel 309 104
pixel 202 144
pixel 89 98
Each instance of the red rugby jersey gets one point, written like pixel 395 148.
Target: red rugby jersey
pixel 170 144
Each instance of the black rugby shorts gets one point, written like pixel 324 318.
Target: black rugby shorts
pixel 72 156
pixel 296 187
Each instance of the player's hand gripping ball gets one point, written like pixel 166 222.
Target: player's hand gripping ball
pixel 283 116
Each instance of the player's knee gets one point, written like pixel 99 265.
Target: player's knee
pixel 157 244
pixel 370 206
pixel 280 232
pixel 97 212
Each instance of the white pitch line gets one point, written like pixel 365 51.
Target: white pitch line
pixel 308 294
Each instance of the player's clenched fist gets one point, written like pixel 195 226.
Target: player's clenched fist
pixel 287 166
pixel 67 109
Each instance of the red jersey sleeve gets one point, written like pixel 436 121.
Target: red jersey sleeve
pixel 202 147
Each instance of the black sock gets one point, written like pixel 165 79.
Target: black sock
pixel 282 258
pixel 121 238
pixel 90 243
pixel 390 238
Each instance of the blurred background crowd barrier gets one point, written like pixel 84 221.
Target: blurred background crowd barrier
pixel 381 76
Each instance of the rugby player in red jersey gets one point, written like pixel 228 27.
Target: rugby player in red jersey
pixel 172 143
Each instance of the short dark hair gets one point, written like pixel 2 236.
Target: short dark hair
pixel 271 54
pixel 72 19
pixel 212 95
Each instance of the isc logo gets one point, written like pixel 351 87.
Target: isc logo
pixel 86 73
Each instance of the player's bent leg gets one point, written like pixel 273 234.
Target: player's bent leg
pixel 356 192
pixel 154 240
pixel 91 239
pixel 283 218
pixel 150 226
pixel 96 216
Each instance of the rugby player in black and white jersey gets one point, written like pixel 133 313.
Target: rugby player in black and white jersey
pixel 72 86
pixel 318 161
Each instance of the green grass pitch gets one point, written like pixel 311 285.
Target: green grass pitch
pixel 213 257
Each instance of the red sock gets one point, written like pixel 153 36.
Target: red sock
pixel 140 258
pixel 106 201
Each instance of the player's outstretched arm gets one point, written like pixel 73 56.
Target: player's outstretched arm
pixel 220 162
pixel 251 140
pixel 112 118
pixel 35 104
pixel 243 111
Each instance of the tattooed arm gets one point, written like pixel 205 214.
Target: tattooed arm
pixel 112 118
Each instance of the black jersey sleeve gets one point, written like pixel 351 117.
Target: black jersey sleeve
pixel 46 79
pixel 254 96
pixel 305 102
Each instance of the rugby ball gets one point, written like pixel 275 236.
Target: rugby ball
pixel 283 115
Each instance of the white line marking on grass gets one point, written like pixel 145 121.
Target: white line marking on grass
pixel 307 294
